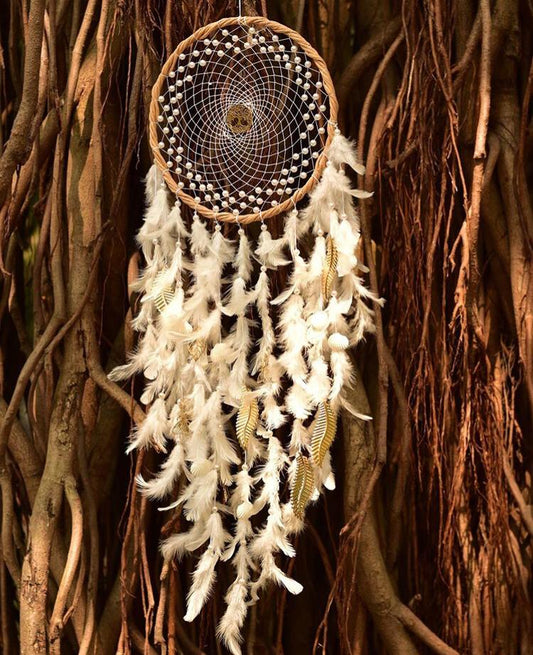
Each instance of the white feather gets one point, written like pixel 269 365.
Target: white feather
pixel 318 384
pixel 343 151
pixel 270 251
pixel 244 257
pixel 152 431
pixel 163 483
pixel 341 368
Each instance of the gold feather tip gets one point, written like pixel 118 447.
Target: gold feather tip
pixel 323 432
pixel 330 269
pixel 302 486
pixel 247 418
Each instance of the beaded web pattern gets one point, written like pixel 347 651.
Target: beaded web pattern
pixel 243 118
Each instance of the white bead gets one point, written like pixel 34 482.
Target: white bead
pixel 338 341
pixel 161 98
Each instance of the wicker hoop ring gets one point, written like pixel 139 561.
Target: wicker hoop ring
pixel 234 122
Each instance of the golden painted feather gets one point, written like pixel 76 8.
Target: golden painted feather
pixel 323 432
pixel 302 486
pixel 330 269
pixel 247 418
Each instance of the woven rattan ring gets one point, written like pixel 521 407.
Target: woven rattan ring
pixel 241 118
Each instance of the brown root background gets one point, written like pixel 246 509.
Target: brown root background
pixel 426 546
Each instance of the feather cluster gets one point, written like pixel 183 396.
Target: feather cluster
pixel 243 389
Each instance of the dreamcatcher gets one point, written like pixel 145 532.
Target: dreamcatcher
pixel 245 333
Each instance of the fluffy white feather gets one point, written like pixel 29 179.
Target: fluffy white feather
pixel 271 251
pixel 204 574
pixel 342 151
pixel 163 483
pixel 152 431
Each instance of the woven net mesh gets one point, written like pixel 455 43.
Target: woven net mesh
pixel 242 119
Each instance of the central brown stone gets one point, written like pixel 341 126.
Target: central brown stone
pixel 239 119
